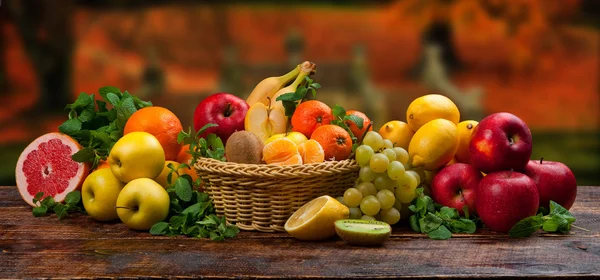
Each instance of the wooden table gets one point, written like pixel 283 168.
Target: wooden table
pixel 81 247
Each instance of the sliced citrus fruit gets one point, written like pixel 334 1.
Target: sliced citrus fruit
pixel 311 152
pixel 315 220
pixel 281 151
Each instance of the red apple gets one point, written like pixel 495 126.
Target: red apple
pixel 504 198
pixel 501 141
pixel 554 181
pixel 226 110
pixel 456 186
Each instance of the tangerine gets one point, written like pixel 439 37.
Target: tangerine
pixel 358 132
pixel 161 123
pixel 310 115
pixel 281 151
pixel 311 152
pixel 336 142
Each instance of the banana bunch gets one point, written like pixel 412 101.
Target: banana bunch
pixel 272 87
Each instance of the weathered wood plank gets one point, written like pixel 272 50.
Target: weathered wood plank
pixel 81 247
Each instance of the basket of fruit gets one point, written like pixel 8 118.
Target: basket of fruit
pixel 289 149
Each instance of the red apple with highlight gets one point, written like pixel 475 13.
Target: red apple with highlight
pixel 501 141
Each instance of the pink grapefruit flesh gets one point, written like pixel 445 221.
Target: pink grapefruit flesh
pixel 46 166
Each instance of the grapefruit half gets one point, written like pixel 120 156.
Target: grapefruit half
pixel 46 166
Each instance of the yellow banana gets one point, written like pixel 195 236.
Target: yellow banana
pixel 306 68
pixel 269 86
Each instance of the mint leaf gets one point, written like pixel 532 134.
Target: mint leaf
pixel 338 112
pixel 526 227
pixel 183 189
pixel 38 196
pixel 73 198
pixel 448 213
pixel 113 98
pixel 430 222
pixel 84 155
pixel 440 233
pixel 356 120
pixel 554 223
pixel 40 211
pixel 414 223
pixel 60 210
pixel 557 209
pixel 104 91
pixel 159 228
pixel 70 127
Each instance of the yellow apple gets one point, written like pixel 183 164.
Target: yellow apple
pixel 265 122
pixel 99 194
pixel 295 136
pixel 142 203
pixel 136 155
pixel 162 177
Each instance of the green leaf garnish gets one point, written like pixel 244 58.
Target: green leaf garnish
pixel 72 203
pixel 558 220
pixel 98 129
pixel 438 222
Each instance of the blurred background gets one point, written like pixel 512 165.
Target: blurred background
pixel 538 59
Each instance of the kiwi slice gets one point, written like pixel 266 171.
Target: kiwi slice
pixel 363 232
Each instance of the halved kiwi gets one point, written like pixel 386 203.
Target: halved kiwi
pixel 363 232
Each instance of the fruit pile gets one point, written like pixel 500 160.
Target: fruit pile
pixel 441 175
pixel 282 125
pixel 140 172
pixel 476 173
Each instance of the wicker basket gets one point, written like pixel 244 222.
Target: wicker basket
pixel 262 197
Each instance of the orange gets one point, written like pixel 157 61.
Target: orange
pixel 310 115
pixel 161 123
pixel 281 151
pixel 358 132
pixel 102 164
pixel 185 157
pixel 336 141
pixel 311 152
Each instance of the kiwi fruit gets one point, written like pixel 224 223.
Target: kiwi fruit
pixel 363 232
pixel 244 147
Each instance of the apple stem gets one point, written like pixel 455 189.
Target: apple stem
pixel 510 172
pixel 228 111
pixel 511 141
pixel 541 159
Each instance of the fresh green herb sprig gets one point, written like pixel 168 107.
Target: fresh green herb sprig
pixel 558 220
pixel 438 222
pixel 72 203
pixel 209 147
pixel 96 127
pixel 340 119
pixel 191 211
pixel 291 100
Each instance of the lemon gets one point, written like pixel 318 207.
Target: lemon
pixel 433 145
pixel 465 130
pixel 398 132
pixel 315 220
pixel 430 107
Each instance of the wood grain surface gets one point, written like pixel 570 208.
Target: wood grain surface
pixel 78 246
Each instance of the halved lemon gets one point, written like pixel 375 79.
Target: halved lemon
pixel 315 220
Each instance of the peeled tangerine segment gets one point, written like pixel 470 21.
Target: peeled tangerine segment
pixel 363 232
pixel 265 122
